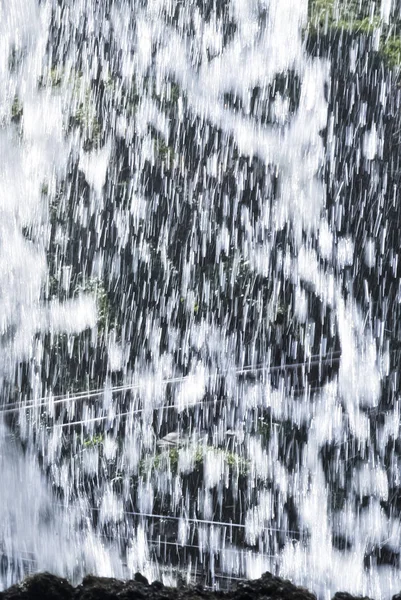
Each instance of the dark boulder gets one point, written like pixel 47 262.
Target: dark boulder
pixel 43 586
pixel 346 596
pixel 99 588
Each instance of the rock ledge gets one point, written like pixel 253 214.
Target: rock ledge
pixel 45 586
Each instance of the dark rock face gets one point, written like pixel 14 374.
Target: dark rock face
pixel 44 586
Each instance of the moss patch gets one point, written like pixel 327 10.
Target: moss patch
pixel 325 16
pixel 168 459
pixel 93 441
pixel 164 152
pixel 86 120
pixel 390 49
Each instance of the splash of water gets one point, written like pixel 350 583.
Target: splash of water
pixel 180 353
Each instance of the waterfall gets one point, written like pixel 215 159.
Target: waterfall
pixel 197 375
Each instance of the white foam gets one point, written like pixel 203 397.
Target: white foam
pixel 370 143
pixel 94 165
pixel 385 10
pixel 193 388
pixel 369 253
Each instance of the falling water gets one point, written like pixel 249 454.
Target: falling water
pixel 199 294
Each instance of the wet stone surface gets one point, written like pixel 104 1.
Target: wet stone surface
pixel 44 586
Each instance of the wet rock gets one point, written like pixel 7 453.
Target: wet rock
pixel 43 586
pixel 157 585
pixel 269 586
pixel 382 555
pixel 141 579
pixel 346 596
pixel 99 588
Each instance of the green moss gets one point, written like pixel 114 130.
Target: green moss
pixel 161 461
pixel 164 152
pixel 355 18
pixel 198 306
pixel 169 459
pixel 174 93
pixel 55 77
pixel 85 118
pixel 236 461
pixel 366 25
pixel 198 457
pixel 173 455
pixel 390 49
pixel 93 441
pixel 345 15
pixel 350 15
pixel 52 79
pixel 321 13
